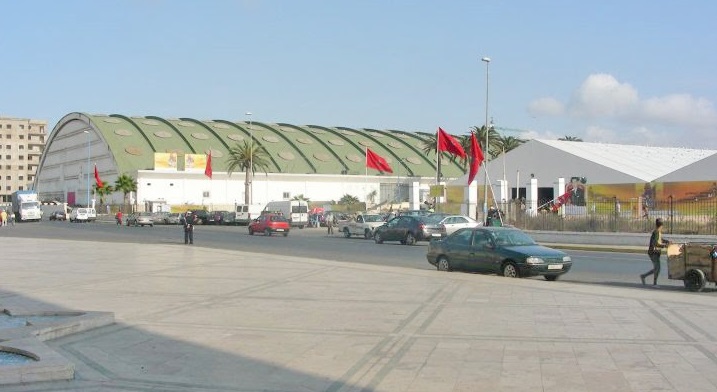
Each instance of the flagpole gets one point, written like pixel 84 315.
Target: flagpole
pixel 438 157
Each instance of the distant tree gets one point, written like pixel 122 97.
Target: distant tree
pixel 348 199
pixel 507 143
pixel 104 190
pixel 493 136
pixel 125 184
pixel 241 157
pixel 571 139
pixel 300 197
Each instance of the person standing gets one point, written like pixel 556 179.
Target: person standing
pixel 188 221
pixel 654 250
pixel 11 217
pixel 329 219
pixel 118 217
pixel 3 218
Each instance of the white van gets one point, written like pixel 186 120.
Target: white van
pixel 244 213
pixel 81 214
pixel 296 211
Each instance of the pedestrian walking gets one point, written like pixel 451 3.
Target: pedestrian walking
pixel 118 218
pixel 11 218
pixel 654 250
pixel 3 218
pixel 188 221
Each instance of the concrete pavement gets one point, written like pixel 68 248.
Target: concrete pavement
pixel 196 319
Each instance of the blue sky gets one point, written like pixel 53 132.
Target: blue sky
pixel 635 72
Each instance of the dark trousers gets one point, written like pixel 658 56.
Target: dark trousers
pixel 655 258
pixel 189 236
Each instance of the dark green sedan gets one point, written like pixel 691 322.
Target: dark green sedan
pixel 500 250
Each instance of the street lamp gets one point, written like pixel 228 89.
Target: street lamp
pixel 251 160
pixel 88 167
pixel 486 60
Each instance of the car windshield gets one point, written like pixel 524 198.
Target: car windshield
pixel 277 218
pixel 512 238
pixel 372 218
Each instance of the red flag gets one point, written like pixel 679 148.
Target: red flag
pixel 476 158
pixel 375 161
pixel 562 199
pixel 97 178
pixel 448 143
pixel 208 168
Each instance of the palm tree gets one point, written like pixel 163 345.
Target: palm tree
pixel 507 143
pixel 348 199
pixel 241 157
pixel 102 191
pixel 493 135
pixel 571 139
pixel 125 184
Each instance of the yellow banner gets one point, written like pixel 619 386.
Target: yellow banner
pixel 165 161
pixel 195 162
pixel 436 191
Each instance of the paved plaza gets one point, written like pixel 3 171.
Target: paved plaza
pixel 197 319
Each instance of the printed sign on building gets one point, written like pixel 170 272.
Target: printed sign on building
pixel 195 162
pixel 165 161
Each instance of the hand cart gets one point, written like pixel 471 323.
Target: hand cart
pixel 695 263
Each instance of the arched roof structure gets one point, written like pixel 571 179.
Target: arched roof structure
pixel 310 149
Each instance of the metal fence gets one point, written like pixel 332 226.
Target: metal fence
pixel 612 215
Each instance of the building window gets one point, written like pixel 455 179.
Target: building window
pixel 8 146
pixel 8 156
pixel 42 128
pixel 7 167
pixel 20 178
pixel 22 126
pixel 8 126
pixel 20 167
pixel 22 137
pixel 8 178
pixel 287 195
pixel 22 157
pixel 7 188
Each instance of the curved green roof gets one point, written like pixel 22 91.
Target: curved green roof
pixel 308 149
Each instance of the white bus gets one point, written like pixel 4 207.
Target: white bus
pixel 296 211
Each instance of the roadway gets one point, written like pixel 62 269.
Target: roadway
pixel 589 267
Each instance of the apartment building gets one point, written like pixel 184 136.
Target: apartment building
pixel 22 142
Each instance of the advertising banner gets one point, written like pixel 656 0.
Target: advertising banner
pixel 165 161
pixel 195 162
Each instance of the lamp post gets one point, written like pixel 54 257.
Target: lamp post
pixel 251 161
pixel 88 167
pixel 486 60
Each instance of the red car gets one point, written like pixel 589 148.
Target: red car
pixel 269 224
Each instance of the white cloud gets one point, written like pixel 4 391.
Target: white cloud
pixel 546 106
pixel 601 95
pixel 680 110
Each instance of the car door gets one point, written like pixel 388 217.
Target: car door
pixel 481 253
pixel 396 229
pixel 458 248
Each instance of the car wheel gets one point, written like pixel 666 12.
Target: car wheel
pixel 367 234
pixel 444 264
pixel 510 270
pixel 377 238
pixel 410 239
pixel 251 232
pixel 347 233
pixel 551 278
pixel 695 280
pixel 267 232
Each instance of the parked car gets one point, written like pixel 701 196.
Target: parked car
pixel 219 217
pixel 269 224
pixel 140 219
pixel 438 225
pixel 58 215
pixel 501 250
pixel 80 214
pixel 172 219
pixel 203 216
pixel 407 229
pixel 160 218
